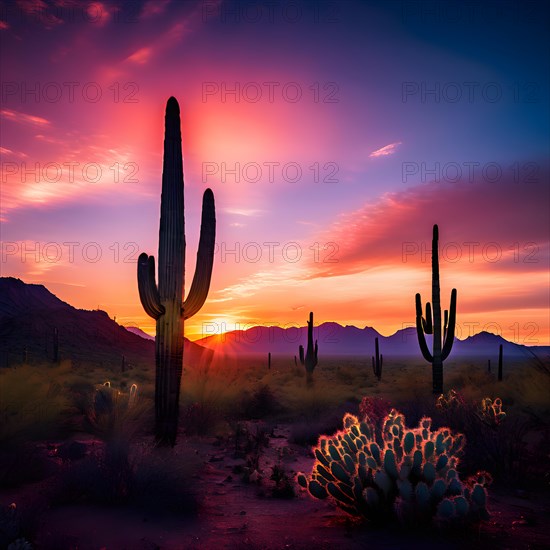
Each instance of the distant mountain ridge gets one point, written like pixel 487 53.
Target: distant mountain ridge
pixel 335 339
pixel 29 314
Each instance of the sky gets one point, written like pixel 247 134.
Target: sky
pixel 333 134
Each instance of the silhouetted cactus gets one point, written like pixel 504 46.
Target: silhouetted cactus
pixel 310 360
pixel 396 472
pixel 500 363
pixel 269 360
pixel 377 361
pixel 426 326
pixel 164 302
pixel 301 354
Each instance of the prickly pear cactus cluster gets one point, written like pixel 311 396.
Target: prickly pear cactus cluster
pixel 491 411
pixel 449 401
pixel 396 473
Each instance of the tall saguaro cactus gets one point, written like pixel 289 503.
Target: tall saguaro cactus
pixel 164 302
pixel 377 361
pixel 310 360
pixel 442 343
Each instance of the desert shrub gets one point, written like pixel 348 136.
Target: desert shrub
pixel 158 481
pixel 31 404
pixel 116 418
pixel 393 472
pixel 497 441
pixel 207 398
pixel 259 403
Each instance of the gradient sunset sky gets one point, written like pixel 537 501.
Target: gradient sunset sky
pixel 399 115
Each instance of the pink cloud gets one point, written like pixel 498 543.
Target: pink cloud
pixel 476 220
pixel 386 150
pixel 17 116
pixel 153 7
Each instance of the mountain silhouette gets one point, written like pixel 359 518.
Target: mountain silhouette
pixel 30 313
pixel 335 339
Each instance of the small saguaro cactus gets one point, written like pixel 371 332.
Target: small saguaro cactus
pixel 377 361
pixel 163 302
pixel 442 339
pixel 269 360
pixel 310 360
pixel 500 363
pixel 301 354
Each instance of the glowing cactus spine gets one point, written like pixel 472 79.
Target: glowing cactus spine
pixel 164 302
pixel 377 361
pixel 426 326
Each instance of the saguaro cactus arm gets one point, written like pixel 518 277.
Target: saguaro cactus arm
pixel 205 258
pixel 148 293
pixel 427 323
pixel 450 328
pixel 420 331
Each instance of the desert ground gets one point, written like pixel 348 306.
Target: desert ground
pixel 79 472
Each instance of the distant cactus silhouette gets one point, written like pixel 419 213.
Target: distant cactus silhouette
pixel 426 326
pixel 500 363
pixel 389 471
pixel 269 360
pixel 310 360
pixel 377 361
pixel 164 302
pixel 301 354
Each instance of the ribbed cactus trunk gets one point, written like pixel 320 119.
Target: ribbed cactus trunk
pixel 310 360
pixel 171 276
pixel 164 303
pixel 437 362
pixel 500 363
pixel 428 326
